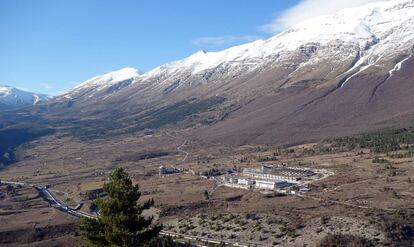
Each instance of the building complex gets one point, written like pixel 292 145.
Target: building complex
pixel 268 177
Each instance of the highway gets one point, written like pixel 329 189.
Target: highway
pixel 57 203
pixel 53 200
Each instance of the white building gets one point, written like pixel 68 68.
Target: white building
pixel 257 174
pixel 231 179
pixel 266 185
pixel 245 181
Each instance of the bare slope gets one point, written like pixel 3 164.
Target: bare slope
pixel 332 75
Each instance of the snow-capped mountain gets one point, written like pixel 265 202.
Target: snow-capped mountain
pixel 12 97
pixel 110 78
pixel 351 67
pixel 364 36
pixel 367 34
pixel 110 82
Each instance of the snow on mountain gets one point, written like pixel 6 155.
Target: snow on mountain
pixel 13 97
pixel 112 77
pixel 109 79
pixel 390 23
pixel 371 33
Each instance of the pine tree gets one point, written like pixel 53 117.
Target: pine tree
pixel 120 221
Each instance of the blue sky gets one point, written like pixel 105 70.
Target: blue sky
pixel 50 45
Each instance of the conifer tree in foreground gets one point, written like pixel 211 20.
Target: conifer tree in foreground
pixel 120 221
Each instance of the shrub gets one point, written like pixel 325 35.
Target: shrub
pixel 344 240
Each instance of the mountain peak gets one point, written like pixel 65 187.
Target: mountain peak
pixel 110 78
pixel 5 90
pixel 363 35
pixel 115 76
pixel 112 81
pixel 13 97
pixel 360 27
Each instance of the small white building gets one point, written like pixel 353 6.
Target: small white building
pixel 237 182
pixel 266 185
pixel 245 181
pixel 231 179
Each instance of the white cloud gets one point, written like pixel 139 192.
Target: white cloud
pixel 50 89
pixel 47 86
pixel 306 9
pixel 224 40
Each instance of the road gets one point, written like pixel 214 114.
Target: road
pixel 334 202
pixel 180 148
pixel 209 240
pixel 350 204
pixel 55 202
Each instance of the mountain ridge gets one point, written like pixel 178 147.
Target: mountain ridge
pixel 330 72
pixel 11 97
pixel 375 23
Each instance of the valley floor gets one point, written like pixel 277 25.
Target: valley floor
pixel 362 198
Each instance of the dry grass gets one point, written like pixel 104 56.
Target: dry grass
pixel 72 167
